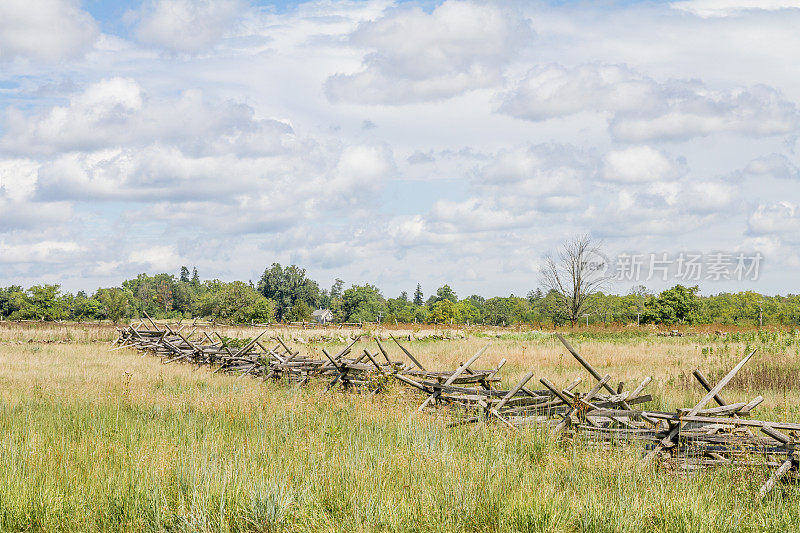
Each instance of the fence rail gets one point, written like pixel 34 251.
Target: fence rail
pixel 710 433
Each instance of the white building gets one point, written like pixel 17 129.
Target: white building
pixel 322 316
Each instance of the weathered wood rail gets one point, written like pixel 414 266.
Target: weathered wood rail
pixel 691 438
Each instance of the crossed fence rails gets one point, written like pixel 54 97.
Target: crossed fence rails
pixel 691 438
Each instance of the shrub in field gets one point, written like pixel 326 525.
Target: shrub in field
pixel 678 305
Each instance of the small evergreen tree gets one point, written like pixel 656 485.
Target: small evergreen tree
pixel 418 297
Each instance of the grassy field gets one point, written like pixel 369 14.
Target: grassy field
pixel 99 440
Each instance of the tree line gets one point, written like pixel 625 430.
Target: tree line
pixel 287 294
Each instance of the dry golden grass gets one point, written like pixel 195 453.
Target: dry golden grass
pixel 99 440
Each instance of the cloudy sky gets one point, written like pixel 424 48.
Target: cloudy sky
pixel 395 142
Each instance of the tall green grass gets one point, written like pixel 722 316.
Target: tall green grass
pixel 303 461
pixel 99 441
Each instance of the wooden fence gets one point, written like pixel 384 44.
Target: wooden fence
pixel 712 432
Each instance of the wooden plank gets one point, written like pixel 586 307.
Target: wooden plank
pixel 366 352
pixel 586 399
pixel 775 477
pixel 706 385
pixel 667 441
pixel 552 388
pixel 495 411
pixel 453 377
pixel 585 364
pixel 775 434
pixel 409 381
pixel 383 350
pixel 413 359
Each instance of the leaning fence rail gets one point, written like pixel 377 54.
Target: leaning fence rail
pixel 712 432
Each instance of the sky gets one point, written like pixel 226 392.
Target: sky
pixel 397 143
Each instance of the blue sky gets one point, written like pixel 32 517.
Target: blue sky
pixel 396 142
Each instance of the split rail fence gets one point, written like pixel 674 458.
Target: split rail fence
pixel 712 432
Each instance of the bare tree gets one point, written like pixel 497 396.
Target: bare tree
pixel 575 275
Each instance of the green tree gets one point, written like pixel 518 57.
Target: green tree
pixel 298 312
pixel 418 296
pixel 182 298
pixel 446 293
pixel 11 299
pixel 84 308
pixel 324 300
pixel 336 288
pixel 235 302
pixel 535 295
pixel 479 303
pixel 115 302
pixel 506 311
pixel 151 294
pixel 444 312
pixel 401 309
pixel 262 310
pixel 678 305
pixel 165 287
pixel 363 303
pixel 43 302
pixel 468 312
pixel 335 304
pixel 288 286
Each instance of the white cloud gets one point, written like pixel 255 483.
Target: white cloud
pixel 106 268
pixel 722 8
pixel 689 111
pixel 775 218
pixel 545 177
pixel 118 112
pixel 554 90
pixel 228 147
pixel 640 164
pixel 18 178
pixel 361 166
pixel 156 172
pixel 158 258
pixel 477 215
pixel 18 208
pixel 708 197
pixel 16 216
pixel 243 190
pixel 49 30
pixel 644 109
pixel 192 163
pixel 39 252
pixel 512 191
pixel 660 208
pixel 416 230
pixel 417 56
pixel 330 255
pixel 666 191
pixel 775 165
pixel 96 117
pixel 185 25
pixel 769 246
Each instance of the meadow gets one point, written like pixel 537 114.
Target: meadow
pixel 99 440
